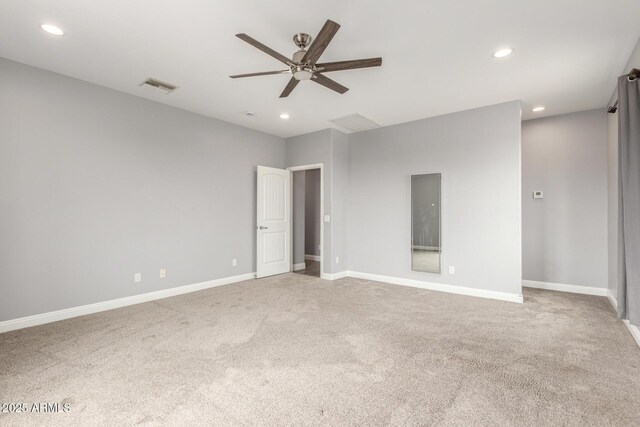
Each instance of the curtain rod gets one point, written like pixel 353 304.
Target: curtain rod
pixel 633 74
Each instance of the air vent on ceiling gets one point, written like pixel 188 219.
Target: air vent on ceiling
pixel 355 123
pixel 167 88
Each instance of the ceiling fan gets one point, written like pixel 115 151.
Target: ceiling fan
pixel 304 65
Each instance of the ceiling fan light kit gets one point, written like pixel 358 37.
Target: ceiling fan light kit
pixel 303 65
pixel 302 73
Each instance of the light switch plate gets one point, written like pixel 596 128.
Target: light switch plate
pixel 538 195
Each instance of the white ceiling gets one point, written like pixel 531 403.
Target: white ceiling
pixel 437 55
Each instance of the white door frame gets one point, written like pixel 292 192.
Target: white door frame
pixel 304 168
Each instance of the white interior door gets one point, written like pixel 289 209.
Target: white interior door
pixel 273 222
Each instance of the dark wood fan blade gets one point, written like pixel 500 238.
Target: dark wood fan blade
pixel 264 73
pixel 327 82
pixel 349 65
pixel 329 29
pixel 290 86
pixel 255 43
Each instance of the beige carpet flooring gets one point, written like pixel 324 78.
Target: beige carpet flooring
pixel 297 350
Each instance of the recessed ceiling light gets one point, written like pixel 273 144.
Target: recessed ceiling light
pixel 284 116
pixel 502 52
pixel 52 29
pixel 537 109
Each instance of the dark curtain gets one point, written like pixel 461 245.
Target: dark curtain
pixel 629 199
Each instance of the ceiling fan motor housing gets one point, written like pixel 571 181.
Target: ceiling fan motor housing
pixel 300 72
pixel 297 57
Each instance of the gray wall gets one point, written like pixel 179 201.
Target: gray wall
pixel 340 196
pixel 564 235
pixel 312 215
pixel 96 185
pixel 299 201
pixel 478 154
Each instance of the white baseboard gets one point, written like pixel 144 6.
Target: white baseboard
pixel 312 257
pixel 334 276
pixel 635 331
pixel 300 266
pixel 575 289
pixel 54 316
pixel 460 290
pixel 612 300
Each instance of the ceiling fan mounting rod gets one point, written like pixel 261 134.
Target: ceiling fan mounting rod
pixel 302 40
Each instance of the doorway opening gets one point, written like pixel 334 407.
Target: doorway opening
pixel 307 226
